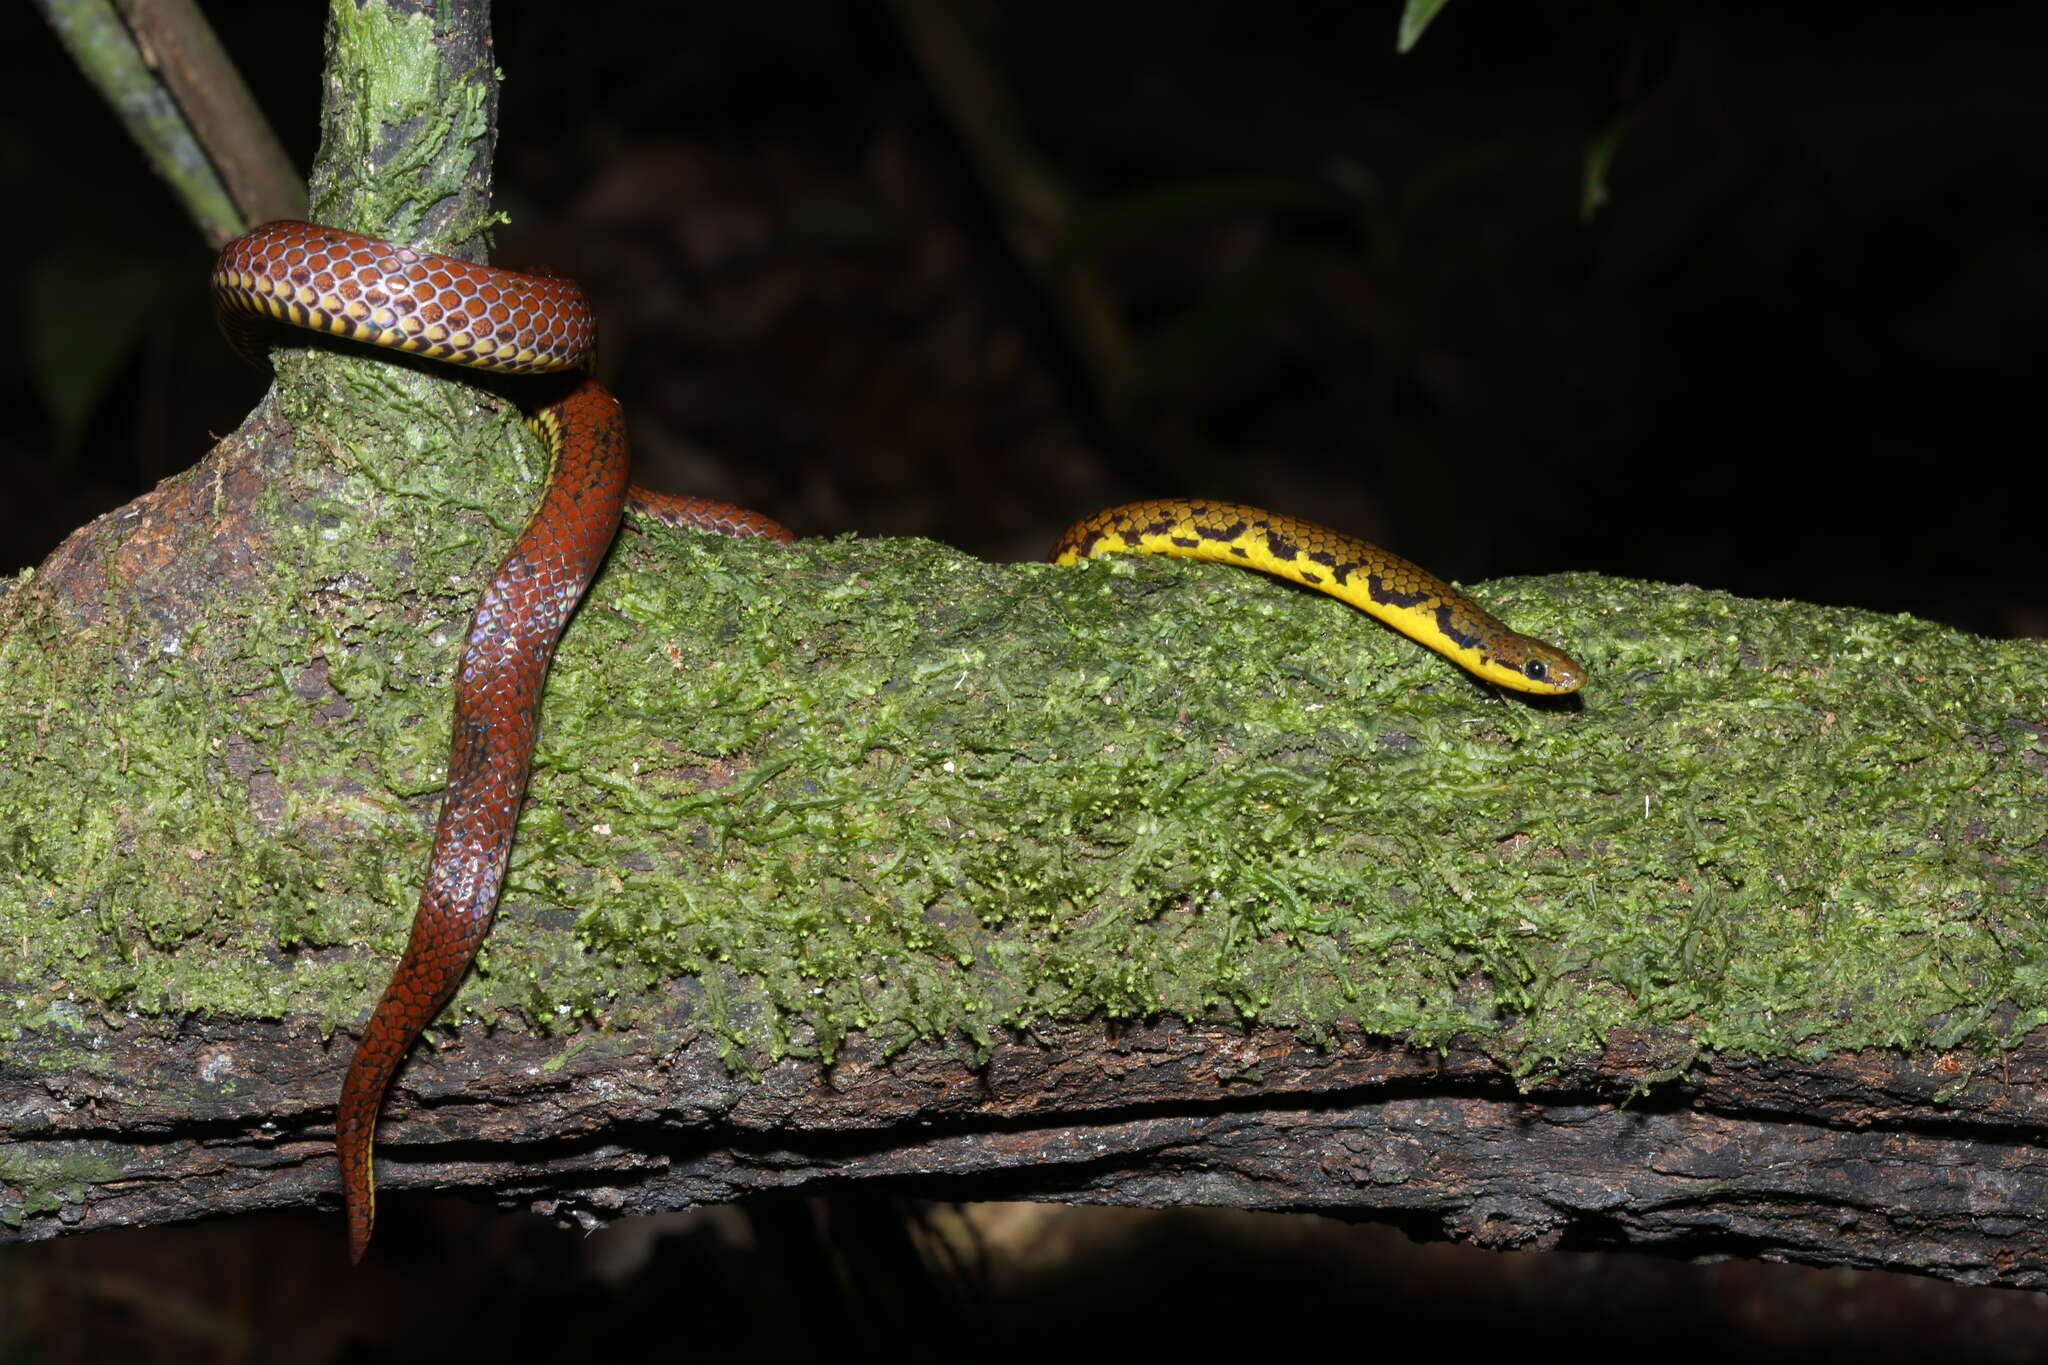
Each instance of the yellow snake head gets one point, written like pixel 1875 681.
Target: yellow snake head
pixel 1527 665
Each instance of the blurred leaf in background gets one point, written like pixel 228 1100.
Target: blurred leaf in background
pixel 1416 18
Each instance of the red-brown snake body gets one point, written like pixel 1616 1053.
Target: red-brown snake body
pixel 387 295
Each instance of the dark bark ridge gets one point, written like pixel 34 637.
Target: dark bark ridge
pixel 1876 1160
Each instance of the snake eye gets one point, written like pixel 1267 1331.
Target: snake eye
pixel 1535 671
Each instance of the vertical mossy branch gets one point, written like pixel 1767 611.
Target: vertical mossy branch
pixel 408 136
pixel 409 122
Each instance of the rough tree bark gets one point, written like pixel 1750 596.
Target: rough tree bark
pixel 863 859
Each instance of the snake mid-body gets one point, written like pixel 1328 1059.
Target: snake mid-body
pixel 383 294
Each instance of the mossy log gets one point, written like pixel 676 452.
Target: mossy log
pixel 1141 881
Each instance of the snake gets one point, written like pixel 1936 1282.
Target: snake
pixel 1378 582
pixel 378 293
pixel 368 290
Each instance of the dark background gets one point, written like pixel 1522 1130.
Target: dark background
pixel 1796 353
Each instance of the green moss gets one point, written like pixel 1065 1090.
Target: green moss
pixel 34 1179
pixel 877 785
pixel 394 106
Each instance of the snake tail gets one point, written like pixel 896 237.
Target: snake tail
pixel 1378 582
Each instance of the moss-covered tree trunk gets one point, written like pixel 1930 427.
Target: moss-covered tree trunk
pixel 1140 882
